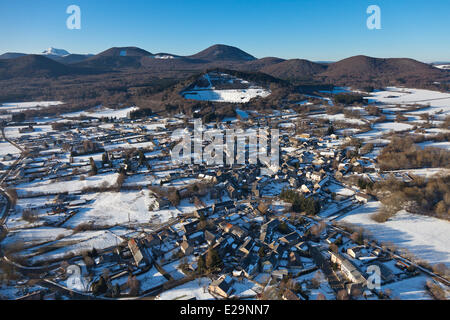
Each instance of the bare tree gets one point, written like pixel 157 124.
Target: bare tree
pixel 321 296
pixel 12 194
pixel 134 285
pixel 342 295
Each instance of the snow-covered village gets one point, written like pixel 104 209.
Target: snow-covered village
pixel 93 205
pixel 225 159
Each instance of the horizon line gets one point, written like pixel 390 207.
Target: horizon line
pixel 273 56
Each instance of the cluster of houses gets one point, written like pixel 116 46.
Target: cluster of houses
pixel 249 234
pixel 250 242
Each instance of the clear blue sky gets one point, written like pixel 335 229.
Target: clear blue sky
pixel 310 29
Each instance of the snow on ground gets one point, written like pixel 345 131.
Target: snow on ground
pixel 347 131
pixel 382 128
pixel 434 131
pixel 76 244
pixel 7 148
pixel 13 132
pixel 443 66
pixel 340 190
pixel 425 237
pixel 241 113
pixel 286 125
pixel 13 292
pixel 338 117
pixel 442 145
pixel 154 126
pixel 148 280
pixel 245 288
pixel 425 173
pixel 393 96
pixel 140 180
pixel 164 57
pixel 126 145
pixel 35 236
pixel 230 95
pixel 30 203
pixel 113 208
pixel 151 279
pixel 50 187
pixel 304 103
pixel 182 183
pixel 174 270
pixel 21 106
pixel 101 112
pixel 409 289
pixel 324 287
pixel 186 206
pixel 392 126
pixel 197 288
pixel 85 158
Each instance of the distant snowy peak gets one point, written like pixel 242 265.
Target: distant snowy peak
pixel 55 52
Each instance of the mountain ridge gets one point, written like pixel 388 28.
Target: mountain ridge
pixel 37 66
pixel 351 70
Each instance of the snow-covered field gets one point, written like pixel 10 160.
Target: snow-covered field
pixel 126 145
pixel 425 237
pixel 436 101
pixel 425 173
pixel 7 148
pixel 75 244
pixel 164 57
pixel 101 112
pixel 231 95
pixel 21 106
pixel 409 289
pixel 392 126
pixel 442 145
pixel 13 132
pixel 49 187
pixel 113 208
pixel 382 128
pixel 338 117
pixel 443 66
pixel 34 236
pixel 120 214
pixel 211 93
